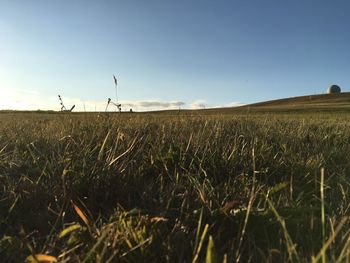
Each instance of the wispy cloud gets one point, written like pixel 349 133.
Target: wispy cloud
pixel 30 92
pixel 233 104
pixel 198 104
pixel 141 105
pixel 154 104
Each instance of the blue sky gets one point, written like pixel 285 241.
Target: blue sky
pixel 171 53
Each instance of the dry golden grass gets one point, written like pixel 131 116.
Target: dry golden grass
pixel 170 187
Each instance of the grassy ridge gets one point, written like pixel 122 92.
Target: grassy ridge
pixel 142 187
pixel 325 100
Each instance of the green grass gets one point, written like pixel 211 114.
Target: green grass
pixel 165 187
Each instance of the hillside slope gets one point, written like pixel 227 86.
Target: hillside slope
pixel 322 100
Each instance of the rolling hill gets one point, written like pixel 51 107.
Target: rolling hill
pixel 321 103
pixel 312 101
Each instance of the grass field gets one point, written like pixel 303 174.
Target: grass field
pixel 208 186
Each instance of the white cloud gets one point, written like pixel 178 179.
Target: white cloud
pixel 142 105
pixel 232 104
pixel 157 104
pixel 198 104
pixel 31 92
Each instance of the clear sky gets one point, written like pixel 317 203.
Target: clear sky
pixel 167 54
